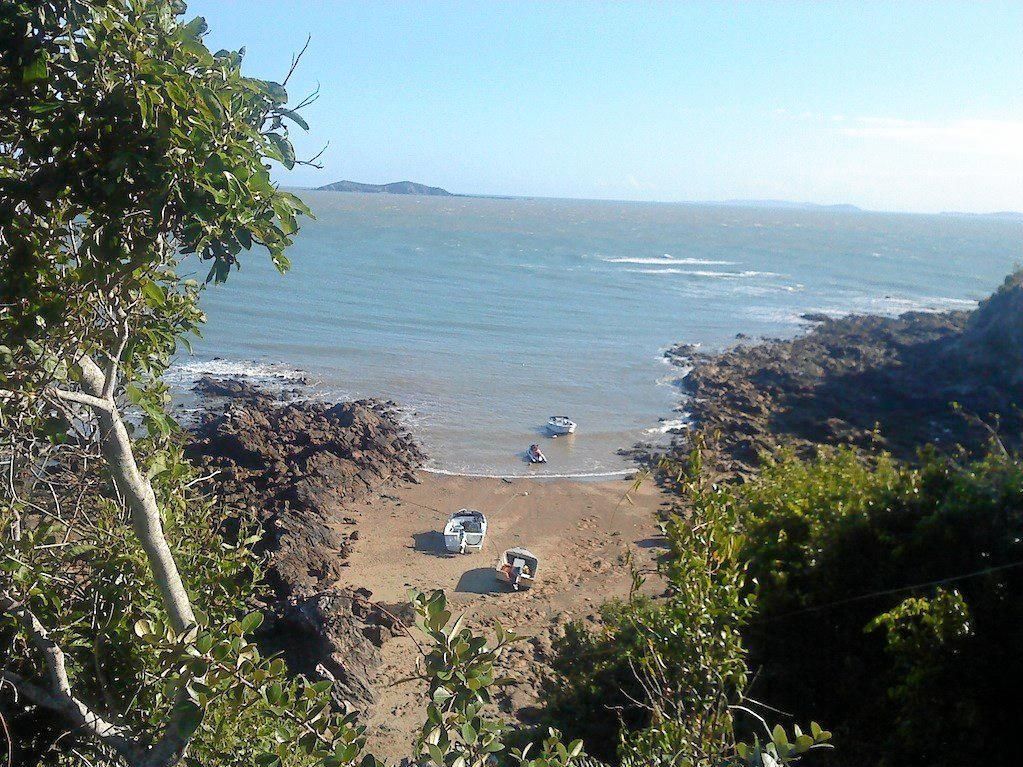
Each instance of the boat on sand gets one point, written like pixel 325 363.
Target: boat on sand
pixel 465 531
pixel 517 567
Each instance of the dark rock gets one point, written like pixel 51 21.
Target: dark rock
pixel 378 634
pixel 873 382
pixel 321 638
pixel 295 467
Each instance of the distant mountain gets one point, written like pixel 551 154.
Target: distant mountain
pixel 398 187
pixel 1008 215
pixel 788 204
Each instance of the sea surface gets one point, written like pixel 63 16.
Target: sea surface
pixel 482 317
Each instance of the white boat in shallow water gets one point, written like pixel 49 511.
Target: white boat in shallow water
pixel 465 531
pixel 517 567
pixel 560 424
pixel 534 455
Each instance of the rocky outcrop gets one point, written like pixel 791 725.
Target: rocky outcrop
pixel 894 383
pixel 292 468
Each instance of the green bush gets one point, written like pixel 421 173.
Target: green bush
pixel 664 680
pixel 923 675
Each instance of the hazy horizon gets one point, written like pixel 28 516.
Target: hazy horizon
pixel 901 107
pixel 750 201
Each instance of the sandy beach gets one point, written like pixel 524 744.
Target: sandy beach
pixel 580 530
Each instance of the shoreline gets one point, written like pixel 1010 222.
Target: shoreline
pixel 874 382
pixel 581 476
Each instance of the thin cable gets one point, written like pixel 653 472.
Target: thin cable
pixel 888 592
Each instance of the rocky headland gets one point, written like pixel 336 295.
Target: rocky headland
pixel 954 380
pixel 295 469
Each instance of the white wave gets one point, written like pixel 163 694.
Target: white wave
pixel 668 259
pixel 668 426
pixel 894 305
pixel 192 371
pixel 705 273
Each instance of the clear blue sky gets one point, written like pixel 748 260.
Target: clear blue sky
pixel 888 105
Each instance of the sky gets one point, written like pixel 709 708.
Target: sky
pixel 909 106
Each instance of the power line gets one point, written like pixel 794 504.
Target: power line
pixel 888 592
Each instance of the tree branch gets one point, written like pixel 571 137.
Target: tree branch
pixel 140 499
pixel 59 697
pixel 110 377
pixel 97 403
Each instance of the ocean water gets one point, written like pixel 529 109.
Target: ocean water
pixel 482 317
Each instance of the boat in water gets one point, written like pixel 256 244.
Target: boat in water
pixel 465 531
pixel 517 567
pixel 560 424
pixel 535 455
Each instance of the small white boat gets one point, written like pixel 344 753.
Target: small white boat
pixel 560 424
pixel 517 567
pixel 535 455
pixel 465 531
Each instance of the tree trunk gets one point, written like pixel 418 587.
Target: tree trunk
pixel 138 496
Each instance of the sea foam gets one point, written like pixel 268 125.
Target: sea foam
pixel 668 260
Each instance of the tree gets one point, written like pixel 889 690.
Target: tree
pixel 128 151
pixel 126 146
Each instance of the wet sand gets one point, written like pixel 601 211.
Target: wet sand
pixel 579 530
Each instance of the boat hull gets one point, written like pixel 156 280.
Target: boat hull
pixel 559 429
pixel 517 579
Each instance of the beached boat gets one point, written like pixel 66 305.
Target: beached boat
pixel 535 455
pixel 560 424
pixel 517 567
pixel 465 531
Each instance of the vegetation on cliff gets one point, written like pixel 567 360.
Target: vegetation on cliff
pixel 877 595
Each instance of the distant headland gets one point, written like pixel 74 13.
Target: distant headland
pixel 397 187
pixel 415 188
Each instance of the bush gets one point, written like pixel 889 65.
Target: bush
pixel 664 681
pixel 921 675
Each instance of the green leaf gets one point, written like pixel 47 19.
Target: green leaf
pixel 154 293
pixel 196 28
pixel 251 622
pixel 296 118
pixel 284 151
pixel 36 69
pixel 275 91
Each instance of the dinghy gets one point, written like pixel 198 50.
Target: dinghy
pixel 517 567
pixel 534 455
pixel 560 424
pixel 465 531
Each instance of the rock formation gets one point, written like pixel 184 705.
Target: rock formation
pixel 879 382
pixel 292 468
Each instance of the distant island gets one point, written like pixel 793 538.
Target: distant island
pixel 397 187
pixel 787 204
pixel 1008 215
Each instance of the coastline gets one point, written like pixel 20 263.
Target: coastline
pixel 947 379
pixel 351 509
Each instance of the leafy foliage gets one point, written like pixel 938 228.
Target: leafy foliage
pixel 865 619
pixel 127 147
pixel 459 730
pixel 89 579
pixel 674 668
pixel 124 142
